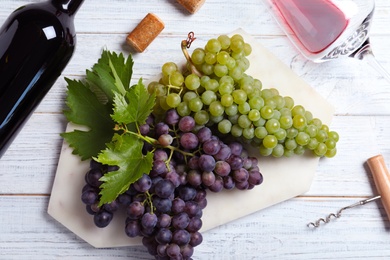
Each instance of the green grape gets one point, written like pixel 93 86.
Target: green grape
pixel 225 88
pixel 292 132
pixel 232 110
pixel 238 55
pixel 333 135
pixel 237 45
pixel 321 149
pixel 286 122
pixel 261 132
pixel 243 121
pixel 325 128
pixel 311 130
pixel 276 115
pixel 290 144
pixel 239 96
pixel 267 94
pixel 203 80
pixel 321 136
pixel 201 117
pixel 188 96
pixel 195 104
pixel 207 69
pixel 248 133
pixel 226 79
pixel 266 112
pixel 197 56
pixel 270 102
pixel 285 112
pixel 224 40
pixel 168 68
pixel 231 63
pixel 220 70
pixel 226 100
pixel 302 138
pixel 212 85
pixel 210 58
pixel 299 121
pixel 224 126
pixel 173 99
pixel 288 153
pixel 313 143
pixel 274 91
pixel 254 115
pixel 309 116
pixel 256 102
pixel 216 108
pixel 176 79
pixel 258 84
pixel 234 119
pixel 330 144
pixel 270 141
pixel 260 122
pixel 244 108
pixel 248 88
pixel 331 153
pixel 216 119
pixel 281 134
pixel 288 102
pixel 278 151
pixel 265 151
pixel 183 109
pixel 163 103
pixel 213 45
pixel 223 57
pixel 243 63
pixel 317 122
pixel 298 110
pixel 279 101
pixel 272 126
pixel 236 73
pixel 247 49
pixel 299 150
pixel 208 96
pixel 192 82
pixel 236 131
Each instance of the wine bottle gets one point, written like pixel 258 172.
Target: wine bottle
pixel 36 43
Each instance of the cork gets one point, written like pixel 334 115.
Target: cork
pixel 145 32
pixel 192 6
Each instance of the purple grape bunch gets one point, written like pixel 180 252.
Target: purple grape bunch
pixel 165 206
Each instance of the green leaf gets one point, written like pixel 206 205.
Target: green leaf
pixel 85 109
pixel 124 151
pixel 135 107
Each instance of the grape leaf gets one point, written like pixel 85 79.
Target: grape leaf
pixel 135 107
pixel 85 109
pixel 124 151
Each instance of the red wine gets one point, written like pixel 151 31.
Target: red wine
pixel 315 23
pixel 36 43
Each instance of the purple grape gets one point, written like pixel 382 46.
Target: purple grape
pixel 235 162
pixel 93 177
pixel 242 185
pixel 206 163
pixel 159 167
pixel 192 208
pixel 173 251
pixel 172 117
pixel 162 251
pixel 180 221
pixel 173 177
pixel 124 199
pixel 181 237
pixel 196 239
pixel 164 220
pixel 247 163
pixel 255 177
pixel 164 189
pixel 163 236
pixel 186 193
pixel 150 120
pixel 194 178
pixel 132 228
pixel 204 134
pixel 162 205
pixel 112 206
pixel 240 175
pixel 165 140
pixel 208 178
pixel 144 129
pixel 211 147
pixel 228 182
pixel 102 218
pixel 223 153
pixel 189 141
pixel 160 154
pixel 95 165
pixel 186 251
pixel 186 124
pixel 202 203
pixel 178 205
pixel 149 220
pixel 193 163
pixel 222 168
pixel 194 225
pixel 143 184
pixel 89 196
pixel 135 210
pixel 217 186
pixel 236 148
pixel 161 128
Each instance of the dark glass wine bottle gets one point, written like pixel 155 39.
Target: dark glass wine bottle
pixel 36 43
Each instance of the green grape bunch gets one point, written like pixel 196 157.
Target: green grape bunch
pixel 217 92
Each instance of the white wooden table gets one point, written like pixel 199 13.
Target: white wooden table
pixel 362 118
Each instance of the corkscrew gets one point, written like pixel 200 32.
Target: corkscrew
pixel 381 176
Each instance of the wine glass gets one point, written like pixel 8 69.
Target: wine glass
pixel 324 30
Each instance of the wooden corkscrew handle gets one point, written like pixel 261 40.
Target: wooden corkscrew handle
pixel 382 180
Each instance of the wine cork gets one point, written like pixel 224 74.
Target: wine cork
pixel 192 6
pixel 382 180
pixel 145 32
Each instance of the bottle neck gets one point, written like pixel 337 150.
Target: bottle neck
pixel 67 6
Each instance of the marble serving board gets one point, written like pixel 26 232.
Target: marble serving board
pixel 284 178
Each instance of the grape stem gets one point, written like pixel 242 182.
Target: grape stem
pixel 186 44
